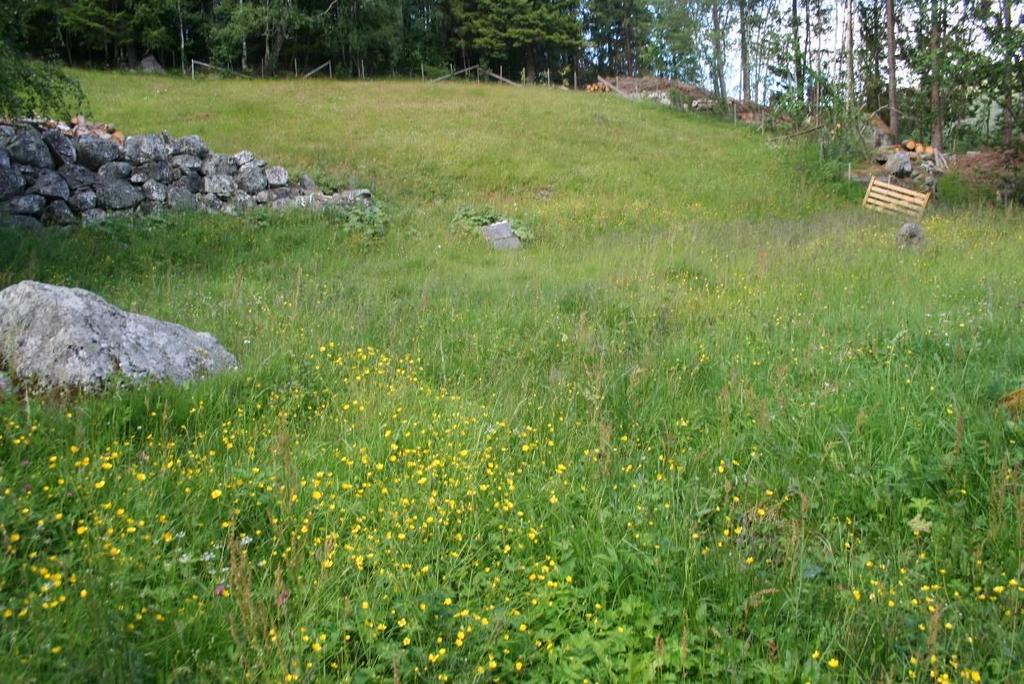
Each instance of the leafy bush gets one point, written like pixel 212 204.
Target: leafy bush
pixel 29 88
pixel 364 223
pixel 471 219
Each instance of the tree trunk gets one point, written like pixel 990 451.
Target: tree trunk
pixel 935 47
pixel 745 51
pixel 807 48
pixel 181 36
pixel 798 62
pixel 245 53
pixel 850 85
pixel 890 48
pixel 1010 58
pixel 716 41
pixel 275 53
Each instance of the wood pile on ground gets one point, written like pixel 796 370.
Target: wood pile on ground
pixel 669 91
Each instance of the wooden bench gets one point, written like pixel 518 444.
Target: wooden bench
pixel 893 199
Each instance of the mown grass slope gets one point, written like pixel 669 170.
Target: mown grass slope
pixel 710 425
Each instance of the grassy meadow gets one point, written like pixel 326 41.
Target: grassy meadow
pixel 709 425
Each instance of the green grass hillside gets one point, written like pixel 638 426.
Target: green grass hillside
pixel 710 425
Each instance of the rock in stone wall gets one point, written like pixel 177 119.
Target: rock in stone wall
pixel 55 173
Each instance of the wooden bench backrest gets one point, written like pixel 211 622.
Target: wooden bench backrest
pixel 893 199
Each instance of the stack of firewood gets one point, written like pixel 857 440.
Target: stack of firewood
pixel 911 145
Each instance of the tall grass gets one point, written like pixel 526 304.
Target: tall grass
pixel 711 424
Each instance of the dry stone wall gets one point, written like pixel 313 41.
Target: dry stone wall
pixel 56 173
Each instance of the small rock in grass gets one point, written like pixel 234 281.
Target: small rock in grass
pixel 6 387
pixel 501 237
pixel 910 235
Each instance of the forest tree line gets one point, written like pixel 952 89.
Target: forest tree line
pixel 923 65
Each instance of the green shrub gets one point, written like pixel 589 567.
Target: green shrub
pixel 29 88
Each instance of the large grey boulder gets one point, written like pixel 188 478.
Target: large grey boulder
pixel 186 162
pixel 29 205
pixel 58 212
pixel 899 165
pixel 94 215
pixel 93 151
pixel 191 182
pixel 194 145
pixel 11 182
pixel 114 193
pixel 151 65
pixel 20 221
pixel 83 200
pixel 154 191
pixel 61 148
pixel 139 149
pixel 180 199
pixel 244 157
pixel 77 177
pixel 160 171
pixel 277 176
pixel 251 178
pixel 57 338
pixel 27 147
pixel 219 165
pixel 222 186
pixel 51 185
pixel 115 169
